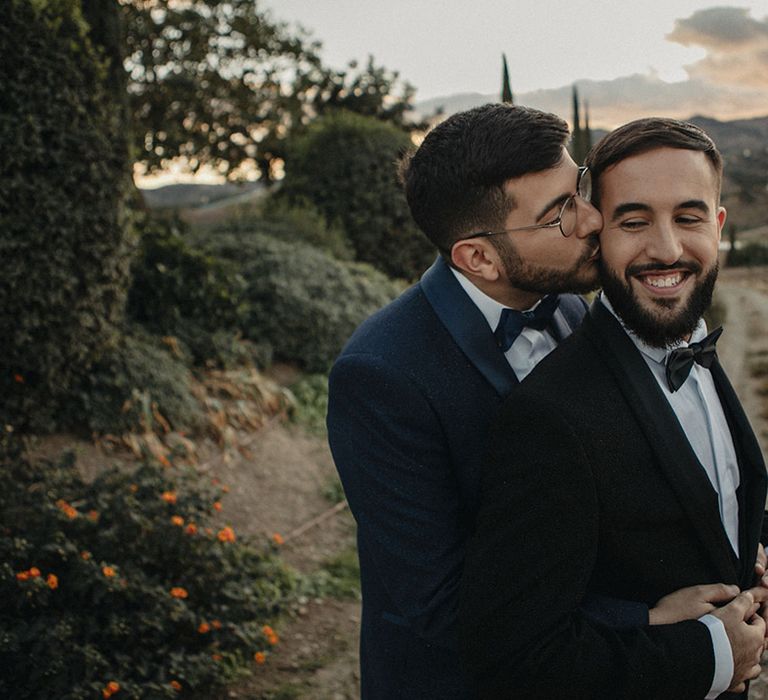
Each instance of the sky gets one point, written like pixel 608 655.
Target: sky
pixel 689 56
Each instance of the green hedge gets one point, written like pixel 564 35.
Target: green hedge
pixel 750 254
pixel 344 164
pixel 64 250
pixel 133 580
pixel 303 302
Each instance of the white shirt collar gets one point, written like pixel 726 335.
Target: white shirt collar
pixel 489 307
pixel 657 354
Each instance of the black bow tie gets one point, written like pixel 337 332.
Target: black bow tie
pixel 512 322
pixel 680 361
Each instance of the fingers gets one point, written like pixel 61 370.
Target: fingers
pixel 759 593
pixel 717 592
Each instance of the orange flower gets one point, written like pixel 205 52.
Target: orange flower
pixel 179 592
pixel 93 515
pixel 133 488
pixel 216 657
pixel 225 488
pixel 113 686
pixel 277 538
pixel 176 685
pixel 204 628
pixel 85 556
pixel 22 575
pixel 259 657
pixel 18 379
pixel 273 639
pixel 67 509
pixel 216 624
pixel 164 461
pixel 169 496
pixel 215 481
pixel 208 531
pixel 191 529
pixel 34 572
pixel 267 630
pixel 226 534
pixel 217 505
pixel 52 581
pixel 177 520
pixel 108 571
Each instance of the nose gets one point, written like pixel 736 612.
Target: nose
pixel 589 221
pixel 663 245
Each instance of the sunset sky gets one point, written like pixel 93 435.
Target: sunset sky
pixel 690 56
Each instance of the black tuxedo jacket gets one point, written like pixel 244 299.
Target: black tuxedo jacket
pixel 410 402
pixel 591 487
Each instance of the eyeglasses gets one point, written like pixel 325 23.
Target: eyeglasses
pixel 565 220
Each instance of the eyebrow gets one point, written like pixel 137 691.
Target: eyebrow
pixel 551 205
pixel 638 206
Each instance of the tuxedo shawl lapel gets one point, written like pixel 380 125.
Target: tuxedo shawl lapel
pixel 752 485
pixel 467 326
pixel 658 421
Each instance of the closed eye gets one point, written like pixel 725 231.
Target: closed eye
pixel 633 224
pixel 688 220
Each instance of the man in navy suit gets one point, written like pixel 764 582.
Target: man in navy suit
pixel 624 465
pixel 414 391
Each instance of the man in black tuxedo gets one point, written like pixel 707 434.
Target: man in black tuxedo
pixel 624 466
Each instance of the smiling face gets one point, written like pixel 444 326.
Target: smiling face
pixel 660 240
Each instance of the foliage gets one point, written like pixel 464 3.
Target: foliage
pixel 339 577
pixel 301 222
pixel 311 407
pixel 303 303
pixel 139 385
pixel 131 580
pixel 181 291
pixel 64 247
pixel 222 83
pixel 749 254
pixel 345 166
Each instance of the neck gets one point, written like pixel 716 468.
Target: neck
pixel 501 291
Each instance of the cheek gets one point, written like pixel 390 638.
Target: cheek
pixel 618 251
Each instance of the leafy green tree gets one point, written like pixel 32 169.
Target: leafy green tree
pixel 64 247
pixel 345 166
pixel 220 83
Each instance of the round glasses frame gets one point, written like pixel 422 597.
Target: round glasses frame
pixel 583 190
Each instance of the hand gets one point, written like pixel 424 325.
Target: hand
pixel 761 565
pixel 690 603
pixel 745 631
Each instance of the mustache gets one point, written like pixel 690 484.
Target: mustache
pixel 690 265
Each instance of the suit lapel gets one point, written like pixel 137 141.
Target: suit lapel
pixel 658 421
pixel 467 326
pixel 752 484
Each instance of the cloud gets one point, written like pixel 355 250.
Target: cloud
pixel 736 44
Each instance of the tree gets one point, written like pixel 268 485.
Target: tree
pixel 64 246
pixel 220 83
pixel 345 166
pixel 506 89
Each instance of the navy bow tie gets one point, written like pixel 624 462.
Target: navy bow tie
pixel 512 322
pixel 680 361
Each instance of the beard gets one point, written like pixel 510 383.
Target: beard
pixel 579 279
pixel 667 326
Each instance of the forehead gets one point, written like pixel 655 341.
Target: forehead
pixel 664 175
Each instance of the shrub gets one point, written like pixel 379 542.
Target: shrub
pixel 64 246
pixel 344 164
pixel 311 407
pixel 748 255
pixel 182 291
pixel 302 301
pixel 300 222
pixel 133 386
pixel 128 580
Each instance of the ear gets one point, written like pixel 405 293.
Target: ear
pixel 721 216
pixel 476 257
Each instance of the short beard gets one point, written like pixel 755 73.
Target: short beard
pixel 658 331
pixel 541 280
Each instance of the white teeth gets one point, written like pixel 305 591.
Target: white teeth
pixel 670 281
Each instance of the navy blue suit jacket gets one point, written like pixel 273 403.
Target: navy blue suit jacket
pixel 412 396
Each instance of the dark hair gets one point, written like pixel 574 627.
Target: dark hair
pixel 454 182
pixel 643 135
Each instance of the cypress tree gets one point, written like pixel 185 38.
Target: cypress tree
pixel 506 90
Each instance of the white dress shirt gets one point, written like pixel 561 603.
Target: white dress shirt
pixel 698 409
pixel 531 346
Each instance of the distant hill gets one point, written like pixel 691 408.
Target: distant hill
pixel 190 195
